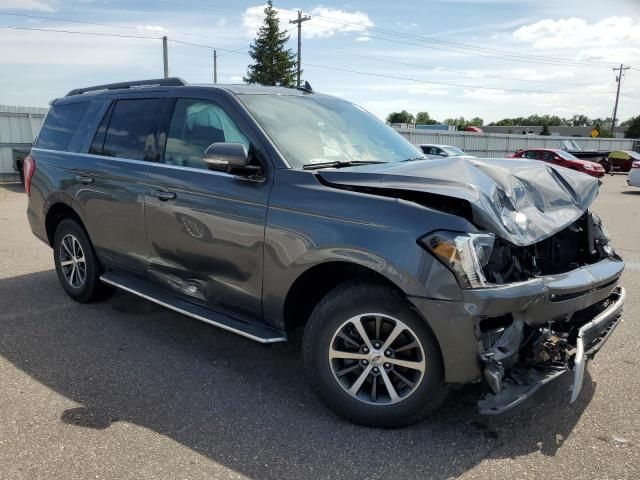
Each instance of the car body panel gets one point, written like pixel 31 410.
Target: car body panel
pixel 557 157
pixel 239 244
pixel 633 179
pixel 621 160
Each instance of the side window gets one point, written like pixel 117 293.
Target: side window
pixel 547 156
pixel 196 124
pixel 132 129
pixel 98 141
pixel 60 125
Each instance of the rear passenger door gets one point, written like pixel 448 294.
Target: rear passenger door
pixel 206 228
pixel 113 182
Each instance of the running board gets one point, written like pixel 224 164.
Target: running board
pixel 166 299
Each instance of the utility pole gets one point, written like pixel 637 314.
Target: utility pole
pixel 299 23
pixel 165 57
pixel 215 66
pixel 619 80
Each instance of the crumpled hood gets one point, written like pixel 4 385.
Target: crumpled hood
pixel 522 201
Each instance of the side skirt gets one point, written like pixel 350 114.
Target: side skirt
pixel 161 297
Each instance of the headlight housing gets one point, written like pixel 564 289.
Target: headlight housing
pixel 463 253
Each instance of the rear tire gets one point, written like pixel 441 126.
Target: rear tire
pixel 77 266
pixel 394 382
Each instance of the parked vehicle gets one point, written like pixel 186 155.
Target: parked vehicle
pixel 264 210
pixel 621 160
pixel 596 156
pixel 633 179
pixel 442 151
pixel 562 159
pixel 19 154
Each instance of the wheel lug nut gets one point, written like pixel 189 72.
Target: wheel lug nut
pixel 387 365
pixel 365 362
pixel 365 350
pixel 376 369
pixel 377 345
pixel 388 353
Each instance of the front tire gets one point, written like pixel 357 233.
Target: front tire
pixel 77 267
pixel 371 358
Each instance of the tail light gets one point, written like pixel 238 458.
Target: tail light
pixel 29 169
pixel 635 165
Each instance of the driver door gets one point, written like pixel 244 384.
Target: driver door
pixel 205 229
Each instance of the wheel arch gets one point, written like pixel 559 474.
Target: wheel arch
pixel 315 282
pixel 55 214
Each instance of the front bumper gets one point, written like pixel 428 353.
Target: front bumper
pixel 537 302
pixel 591 337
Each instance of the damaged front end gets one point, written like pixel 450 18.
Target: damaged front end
pixel 538 278
pixel 566 325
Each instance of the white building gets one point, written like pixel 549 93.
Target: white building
pixel 18 128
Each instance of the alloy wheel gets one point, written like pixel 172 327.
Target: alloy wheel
pixel 72 261
pixel 377 359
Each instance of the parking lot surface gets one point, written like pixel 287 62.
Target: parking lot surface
pixel 127 389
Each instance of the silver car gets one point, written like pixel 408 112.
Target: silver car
pixel 633 179
pixel 435 151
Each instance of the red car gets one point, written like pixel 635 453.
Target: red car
pixel 562 159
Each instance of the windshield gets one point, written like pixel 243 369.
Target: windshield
pixel 634 155
pixel 566 155
pixel 453 151
pixel 316 129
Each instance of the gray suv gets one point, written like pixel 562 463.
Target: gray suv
pixel 264 210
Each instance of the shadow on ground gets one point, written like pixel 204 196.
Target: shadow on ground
pixel 239 403
pixel 12 186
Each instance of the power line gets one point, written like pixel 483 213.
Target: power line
pixel 109 25
pixel 395 77
pixel 460 71
pixel 79 33
pixel 529 57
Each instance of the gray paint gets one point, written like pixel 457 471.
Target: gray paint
pixel 235 244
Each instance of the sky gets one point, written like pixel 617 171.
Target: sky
pixel 451 58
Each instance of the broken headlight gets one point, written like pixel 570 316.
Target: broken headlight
pixel 463 253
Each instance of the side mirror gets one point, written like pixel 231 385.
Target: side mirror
pixel 226 157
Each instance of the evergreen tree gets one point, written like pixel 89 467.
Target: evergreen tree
pixel 274 64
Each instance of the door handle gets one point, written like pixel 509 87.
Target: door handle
pixel 84 179
pixel 164 196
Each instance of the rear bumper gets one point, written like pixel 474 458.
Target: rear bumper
pixel 537 302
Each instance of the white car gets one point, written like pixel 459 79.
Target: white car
pixel 433 151
pixel 633 179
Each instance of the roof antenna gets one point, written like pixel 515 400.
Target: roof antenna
pixel 307 87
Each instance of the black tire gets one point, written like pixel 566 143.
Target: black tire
pixel 91 288
pixel 21 173
pixel 357 298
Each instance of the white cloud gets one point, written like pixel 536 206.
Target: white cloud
pixel 531 74
pixel 363 38
pixel 33 5
pixel 325 22
pixel 578 33
pixel 153 28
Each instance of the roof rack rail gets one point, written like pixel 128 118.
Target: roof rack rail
pixel 158 82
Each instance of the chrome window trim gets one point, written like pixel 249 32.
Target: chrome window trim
pixel 141 162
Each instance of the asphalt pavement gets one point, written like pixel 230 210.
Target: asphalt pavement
pixel 126 389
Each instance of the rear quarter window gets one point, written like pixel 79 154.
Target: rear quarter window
pixel 60 125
